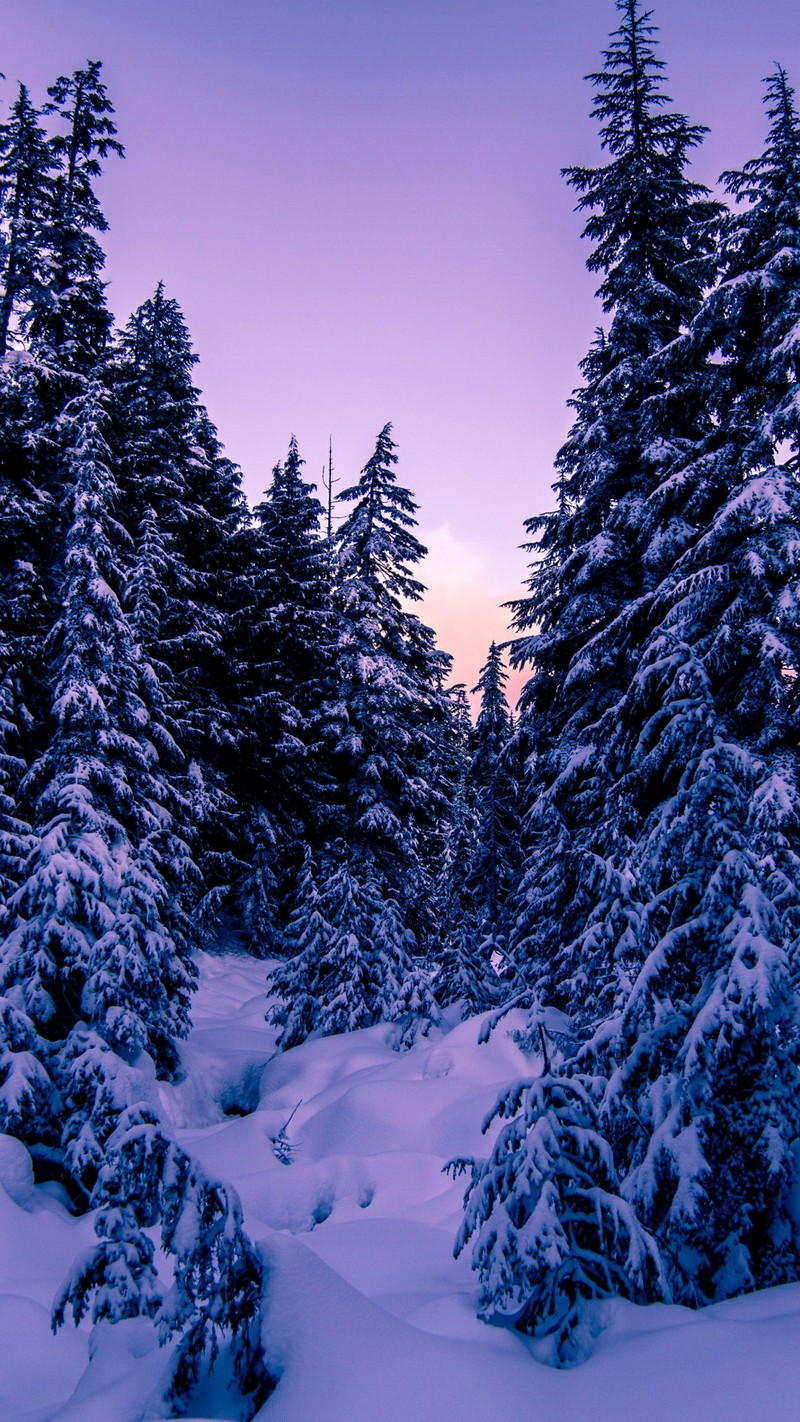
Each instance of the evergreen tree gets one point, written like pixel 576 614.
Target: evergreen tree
pixel 52 310
pixel 96 936
pixel 96 969
pixel 705 743
pixel 31 556
pixel 494 866
pixel 286 634
pixel 26 184
pixel 99 678
pixel 353 963
pixel 299 985
pixel 214 1301
pixel 749 319
pixel 174 476
pixel 664 771
pixel 466 973
pixel 472 830
pixel 453 840
pixel 404 994
pixel 70 323
pixel 653 231
pixel 390 695
pixel 330 986
pixel 444 770
pixel 553 1233
pixel 12 829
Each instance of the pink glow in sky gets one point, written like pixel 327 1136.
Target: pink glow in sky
pixel 358 204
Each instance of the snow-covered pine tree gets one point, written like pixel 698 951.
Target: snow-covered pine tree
pixel 299 985
pixel 29 548
pixel 353 962
pixel 687 921
pixel 96 972
pixel 96 938
pixel 341 981
pixel 653 231
pixel 26 196
pixel 14 832
pixel 70 322
pixel 583 915
pixel 553 1233
pixel 452 842
pixel 466 973
pixel 391 674
pixel 34 472
pixel 701 1051
pixel 172 471
pixel 286 632
pixel 388 714
pixel 444 767
pixel 214 1301
pixel 496 793
pixel 463 946
pixel 405 996
pixel 53 312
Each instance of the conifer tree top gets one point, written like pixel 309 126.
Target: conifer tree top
pixel 157 340
pixel 82 101
pixel 770 184
pixel 376 541
pixel 640 200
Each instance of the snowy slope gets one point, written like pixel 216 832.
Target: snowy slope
pixel 370 1318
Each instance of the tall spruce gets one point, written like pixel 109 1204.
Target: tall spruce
pixel 53 324
pixel 390 677
pixel 174 475
pixel 386 711
pixel 653 233
pixel 71 322
pixel 96 972
pixel 492 774
pixel 286 636
pixel 553 1235
pixel 353 962
pixel 464 975
pixel 98 936
pixel 664 772
pixel 706 746
pixel 479 861
pixel 26 183
pixel 635 800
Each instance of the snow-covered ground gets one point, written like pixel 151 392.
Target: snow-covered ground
pixel 370 1318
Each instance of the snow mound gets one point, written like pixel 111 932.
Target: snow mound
pixel 370 1318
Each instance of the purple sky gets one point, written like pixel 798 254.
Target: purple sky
pixel 358 204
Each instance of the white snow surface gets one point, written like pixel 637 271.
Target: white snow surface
pixel 369 1316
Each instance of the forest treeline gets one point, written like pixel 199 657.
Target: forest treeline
pixel 220 724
